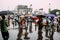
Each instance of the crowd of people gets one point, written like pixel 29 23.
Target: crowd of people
pixel 51 25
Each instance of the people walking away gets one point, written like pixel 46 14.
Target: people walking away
pixel 20 28
pixel 30 27
pixel 40 26
pixel 47 27
pixel 8 20
pixel 13 22
pixel 4 30
pixel 51 33
pixel 26 28
pixel 58 26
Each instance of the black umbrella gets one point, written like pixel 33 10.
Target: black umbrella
pixel 6 13
pixel 40 16
pixel 3 13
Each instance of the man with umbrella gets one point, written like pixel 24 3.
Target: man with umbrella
pixel 40 26
pixel 4 30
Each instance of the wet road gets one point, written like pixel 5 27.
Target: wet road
pixel 33 36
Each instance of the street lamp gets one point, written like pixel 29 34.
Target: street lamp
pixel 30 9
pixel 49 7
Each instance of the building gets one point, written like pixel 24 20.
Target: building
pixel 23 9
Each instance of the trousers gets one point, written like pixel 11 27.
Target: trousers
pixel 5 35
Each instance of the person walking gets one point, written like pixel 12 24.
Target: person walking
pixel 40 26
pixel 8 20
pixel 52 29
pixel 4 30
pixel 13 22
pixel 47 27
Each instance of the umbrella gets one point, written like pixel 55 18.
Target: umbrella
pixel 50 15
pixel 35 18
pixel 6 13
pixel 3 13
pixel 40 16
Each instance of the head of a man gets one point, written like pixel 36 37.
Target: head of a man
pixel 3 17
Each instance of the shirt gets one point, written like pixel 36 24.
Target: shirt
pixel 4 25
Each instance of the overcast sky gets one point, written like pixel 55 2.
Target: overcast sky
pixel 36 4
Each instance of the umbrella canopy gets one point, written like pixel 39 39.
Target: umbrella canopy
pixel 40 16
pixel 3 13
pixel 50 15
pixel 35 18
pixel 6 13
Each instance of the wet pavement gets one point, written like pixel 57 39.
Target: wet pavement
pixel 33 36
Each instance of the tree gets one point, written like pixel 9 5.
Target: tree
pixel 54 11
